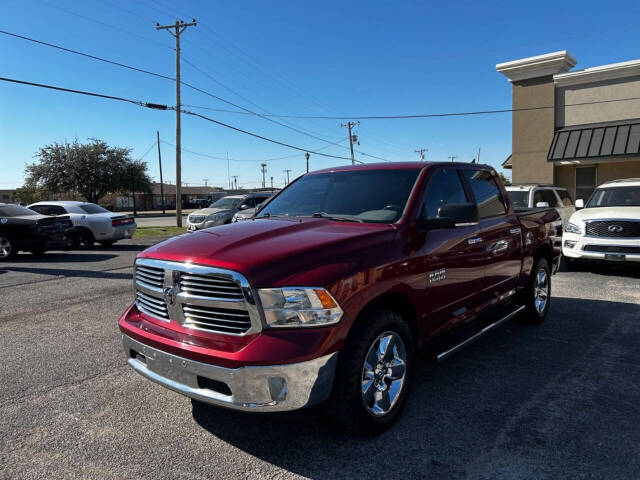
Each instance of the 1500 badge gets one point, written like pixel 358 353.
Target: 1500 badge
pixel 437 275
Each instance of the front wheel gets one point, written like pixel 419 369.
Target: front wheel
pixel 537 295
pixel 7 248
pixel 373 374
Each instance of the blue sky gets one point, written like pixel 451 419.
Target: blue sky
pixel 282 57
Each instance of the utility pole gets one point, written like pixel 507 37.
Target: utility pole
pixel 306 155
pixel 160 164
pixel 272 184
pixel 421 153
pixel 350 125
pixel 264 170
pixel 287 172
pixel 478 154
pixel 229 173
pixel 452 158
pixel 235 179
pixel 176 30
pixel 205 180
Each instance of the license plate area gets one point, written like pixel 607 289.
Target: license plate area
pixel 615 257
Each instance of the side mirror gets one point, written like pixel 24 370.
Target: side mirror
pixel 542 205
pixel 579 203
pixel 451 216
pixel 244 206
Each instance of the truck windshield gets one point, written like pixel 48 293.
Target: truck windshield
pixel 615 197
pixel 519 198
pixel 376 196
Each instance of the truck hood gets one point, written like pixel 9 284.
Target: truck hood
pixel 279 251
pixel 601 213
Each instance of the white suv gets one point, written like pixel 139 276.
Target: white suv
pixel 542 196
pixel 608 227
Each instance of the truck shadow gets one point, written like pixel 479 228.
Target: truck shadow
pixel 492 395
pixel 625 270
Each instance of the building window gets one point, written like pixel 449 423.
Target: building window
pixel 586 178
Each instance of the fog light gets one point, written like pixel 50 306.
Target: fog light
pixel 569 244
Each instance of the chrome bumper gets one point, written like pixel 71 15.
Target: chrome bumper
pixel 262 388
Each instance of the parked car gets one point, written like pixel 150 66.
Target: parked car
pixel 329 292
pixel 247 213
pixel 542 196
pixel 93 223
pixel 608 227
pixel 22 229
pixel 222 210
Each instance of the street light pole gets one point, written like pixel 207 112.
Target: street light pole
pixel 306 155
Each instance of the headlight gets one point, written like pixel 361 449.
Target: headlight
pixel 299 307
pixel 572 228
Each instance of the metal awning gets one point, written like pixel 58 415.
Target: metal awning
pixel 596 140
pixel 507 165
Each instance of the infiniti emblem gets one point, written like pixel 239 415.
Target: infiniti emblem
pixel 169 294
pixel 615 228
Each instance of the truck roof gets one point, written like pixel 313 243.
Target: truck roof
pixel 396 166
pixel 623 182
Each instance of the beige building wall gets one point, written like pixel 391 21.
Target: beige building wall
pixel 598 92
pixel 605 172
pixel 532 130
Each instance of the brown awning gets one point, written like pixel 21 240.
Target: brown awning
pixel 597 140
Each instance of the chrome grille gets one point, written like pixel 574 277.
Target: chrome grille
pixel 619 229
pixel 195 296
pixel 197 218
pixel 151 276
pixel 216 319
pixel 151 305
pixel 210 286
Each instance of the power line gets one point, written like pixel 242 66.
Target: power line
pixel 267 139
pixel 140 103
pixel 165 107
pixel 100 22
pixel 88 55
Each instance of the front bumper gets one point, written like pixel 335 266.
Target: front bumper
pixel 604 249
pixel 252 388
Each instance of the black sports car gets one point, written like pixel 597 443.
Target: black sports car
pixel 26 230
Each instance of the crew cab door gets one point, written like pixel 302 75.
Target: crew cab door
pixel 452 258
pixel 499 232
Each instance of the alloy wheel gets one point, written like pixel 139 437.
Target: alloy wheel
pixel 541 291
pixel 383 373
pixel 5 247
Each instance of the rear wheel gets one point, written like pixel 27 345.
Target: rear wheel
pixel 38 252
pixel 83 238
pixel 373 374
pixel 7 248
pixel 537 295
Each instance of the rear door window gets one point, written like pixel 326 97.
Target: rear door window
pixel 486 192
pixel 545 195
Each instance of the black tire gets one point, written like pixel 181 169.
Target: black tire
pixel 86 238
pixel 7 248
pixel 536 305
pixel 347 406
pixel 107 243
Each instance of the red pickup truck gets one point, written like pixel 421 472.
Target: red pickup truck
pixel 329 291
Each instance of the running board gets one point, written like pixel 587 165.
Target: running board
pixel 442 356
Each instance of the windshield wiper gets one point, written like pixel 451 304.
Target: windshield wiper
pixel 336 217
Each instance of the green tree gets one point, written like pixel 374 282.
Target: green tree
pixel 91 170
pixel 29 194
pixel 504 179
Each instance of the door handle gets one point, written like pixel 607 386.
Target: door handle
pixel 474 240
pixel 499 247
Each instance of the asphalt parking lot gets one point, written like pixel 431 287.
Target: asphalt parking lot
pixel 561 400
